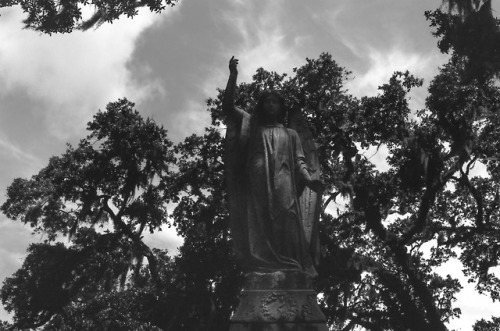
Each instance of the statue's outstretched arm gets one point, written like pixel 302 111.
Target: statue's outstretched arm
pixel 230 110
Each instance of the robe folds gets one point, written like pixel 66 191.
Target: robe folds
pixel 264 170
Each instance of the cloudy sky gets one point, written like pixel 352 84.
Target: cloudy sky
pixel 168 64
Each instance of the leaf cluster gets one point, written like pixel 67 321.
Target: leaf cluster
pixel 469 30
pixel 63 16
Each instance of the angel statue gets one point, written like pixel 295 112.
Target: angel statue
pixel 272 174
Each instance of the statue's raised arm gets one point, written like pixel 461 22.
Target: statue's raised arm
pixel 231 112
pixel 237 132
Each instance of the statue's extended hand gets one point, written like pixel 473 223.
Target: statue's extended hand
pixel 233 65
pixel 316 185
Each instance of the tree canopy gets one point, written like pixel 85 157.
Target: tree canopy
pixel 469 31
pixel 379 251
pixel 63 16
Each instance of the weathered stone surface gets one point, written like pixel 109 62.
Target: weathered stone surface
pixel 273 183
pixel 274 191
pixel 279 327
pixel 278 301
pixel 278 280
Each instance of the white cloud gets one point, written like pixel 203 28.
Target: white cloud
pixel 167 238
pixel 384 63
pixel 474 306
pixel 11 150
pixel 194 118
pixel 263 38
pixel 479 170
pixel 16 162
pixel 72 75
pixel 376 155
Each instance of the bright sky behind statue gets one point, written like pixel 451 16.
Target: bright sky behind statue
pixel 170 63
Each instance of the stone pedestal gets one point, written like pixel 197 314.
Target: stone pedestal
pixel 278 301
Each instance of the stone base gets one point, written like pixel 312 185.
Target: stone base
pixel 278 327
pixel 278 301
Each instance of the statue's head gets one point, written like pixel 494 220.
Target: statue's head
pixel 271 108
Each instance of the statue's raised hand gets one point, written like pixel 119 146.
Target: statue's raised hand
pixel 233 65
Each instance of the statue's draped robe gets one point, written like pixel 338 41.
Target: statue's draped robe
pixel 264 166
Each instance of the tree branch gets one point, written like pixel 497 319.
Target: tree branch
pixel 477 196
pixel 374 219
pixel 137 240
pixel 427 201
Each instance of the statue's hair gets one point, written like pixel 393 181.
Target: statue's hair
pixel 259 109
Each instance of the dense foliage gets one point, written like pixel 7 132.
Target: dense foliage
pixel 63 16
pixel 103 195
pixel 469 31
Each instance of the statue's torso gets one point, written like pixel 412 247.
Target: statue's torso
pixel 265 202
pixel 271 167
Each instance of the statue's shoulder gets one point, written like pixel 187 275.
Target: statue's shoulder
pixel 293 133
